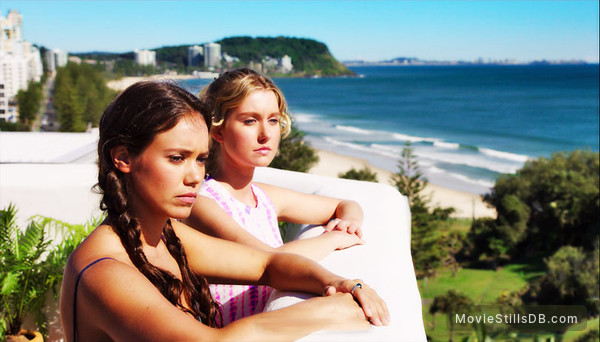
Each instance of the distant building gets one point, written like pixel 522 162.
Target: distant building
pixel 282 65
pixel 74 59
pixel 145 57
pixel 56 59
pixel 212 55
pixel 20 63
pixel 285 63
pixel 195 55
pixel 229 59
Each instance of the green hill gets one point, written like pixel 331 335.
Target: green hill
pixel 309 57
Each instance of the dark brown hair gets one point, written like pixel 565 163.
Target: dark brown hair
pixel 132 120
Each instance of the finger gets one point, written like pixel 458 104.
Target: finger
pixel 373 306
pixel 331 290
pixel 354 229
pixel 331 224
pixel 343 225
pixel 359 232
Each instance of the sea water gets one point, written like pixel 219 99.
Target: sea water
pixel 466 124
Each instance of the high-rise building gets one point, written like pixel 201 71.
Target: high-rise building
pixel 56 58
pixel 20 63
pixel 195 55
pixel 145 57
pixel 212 55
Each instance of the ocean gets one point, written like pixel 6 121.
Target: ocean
pixel 466 124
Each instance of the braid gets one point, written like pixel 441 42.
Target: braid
pixel 197 296
pixel 194 287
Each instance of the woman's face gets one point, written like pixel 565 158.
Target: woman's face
pixel 166 176
pixel 250 135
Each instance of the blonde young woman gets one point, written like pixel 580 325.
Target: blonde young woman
pixel 249 117
pixel 142 275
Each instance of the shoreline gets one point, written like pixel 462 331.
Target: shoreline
pixel 467 205
pixel 126 81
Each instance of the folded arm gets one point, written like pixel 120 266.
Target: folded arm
pixel 208 217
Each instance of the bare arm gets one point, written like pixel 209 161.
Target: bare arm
pixel 118 302
pixel 298 207
pixel 289 272
pixel 208 217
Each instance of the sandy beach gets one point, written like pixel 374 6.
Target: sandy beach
pixel 467 205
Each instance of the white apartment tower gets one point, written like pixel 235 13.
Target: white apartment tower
pixel 20 63
pixel 56 59
pixel 145 57
pixel 212 55
pixel 194 55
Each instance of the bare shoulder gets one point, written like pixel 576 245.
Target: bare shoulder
pixel 103 242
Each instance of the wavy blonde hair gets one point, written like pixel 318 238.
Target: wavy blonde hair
pixel 228 91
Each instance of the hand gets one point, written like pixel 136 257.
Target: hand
pixel 345 226
pixel 340 311
pixel 342 240
pixel 374 308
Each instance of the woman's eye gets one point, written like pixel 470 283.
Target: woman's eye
pixel 249 121
pixel 274 121
pixel 201 160
pixel 176 159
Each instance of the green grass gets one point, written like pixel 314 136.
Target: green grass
pixel 462 225
pixel 482 286
pixel 572 335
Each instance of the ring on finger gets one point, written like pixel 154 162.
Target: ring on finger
pixel 356 286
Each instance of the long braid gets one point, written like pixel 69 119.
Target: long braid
pixel 121 125
pixel 212 316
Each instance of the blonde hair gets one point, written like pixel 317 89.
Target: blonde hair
pixel 231 88
pixel 227 92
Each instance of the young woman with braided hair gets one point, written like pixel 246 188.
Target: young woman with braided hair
pixel 143 275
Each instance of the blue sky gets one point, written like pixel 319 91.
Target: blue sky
pixel 369 30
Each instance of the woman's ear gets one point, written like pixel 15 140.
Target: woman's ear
pixel 121 159
pixel 216 133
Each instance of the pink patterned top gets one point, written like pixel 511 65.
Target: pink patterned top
pixel 239 301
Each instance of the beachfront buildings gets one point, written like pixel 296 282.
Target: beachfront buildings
pixel 212 55
pixel 195 55
pixel 269 64
pixel 145 57
pixel 56 58
pixel 20 62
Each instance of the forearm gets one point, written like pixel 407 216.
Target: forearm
pixel 291 272
pixel 315 248
pixel 287 324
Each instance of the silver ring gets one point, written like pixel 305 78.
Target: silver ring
pixel 357 286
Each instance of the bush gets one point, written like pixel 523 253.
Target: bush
pixel 364 174
pixel 549 203
pixel 294 154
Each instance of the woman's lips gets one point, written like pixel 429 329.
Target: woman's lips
pixel 189 198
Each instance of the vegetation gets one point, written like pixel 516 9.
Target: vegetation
pixel 429 247
pixel 308 56
pixel 364 174
pixel 29 101
pixel 80 96
pixel 542 249
pixel 294 154
pixel 31 267
pixel 547 204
